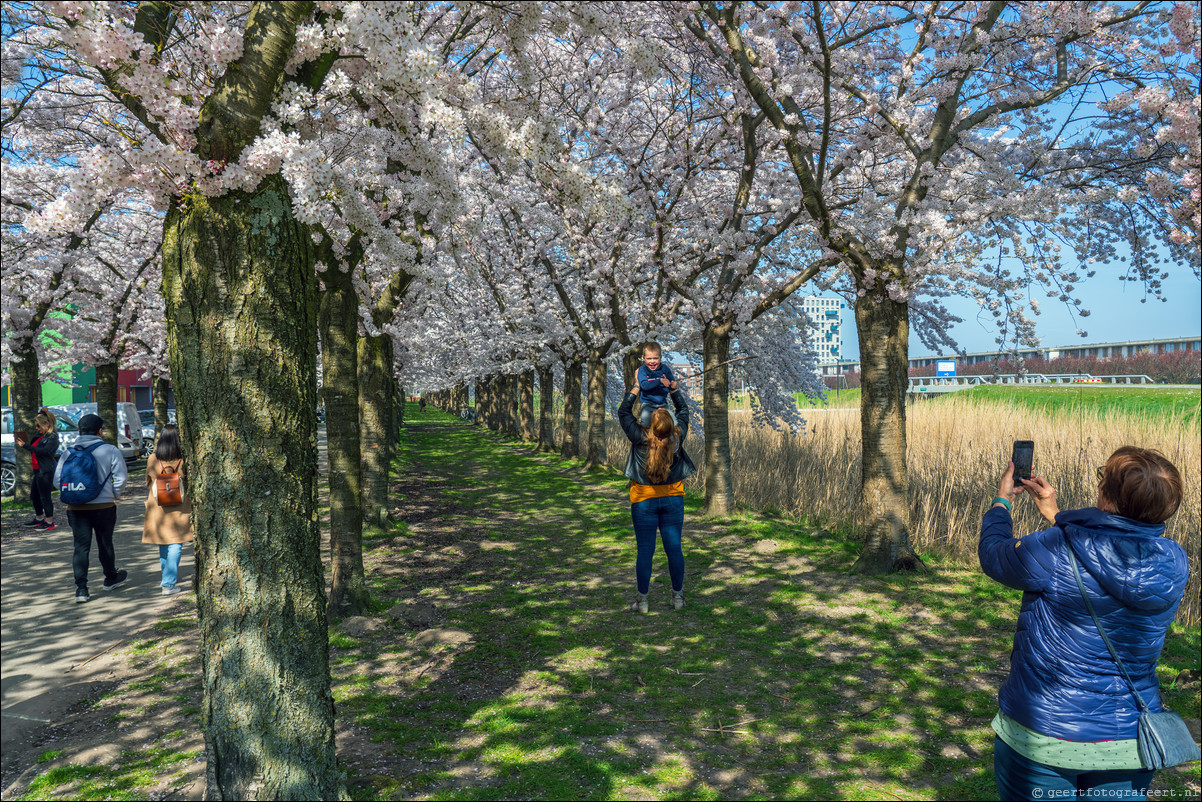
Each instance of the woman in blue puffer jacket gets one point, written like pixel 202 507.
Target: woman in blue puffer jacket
pixel 1067 726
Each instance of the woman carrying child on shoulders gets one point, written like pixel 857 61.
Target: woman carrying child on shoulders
pixel 167 525
pixel 657 467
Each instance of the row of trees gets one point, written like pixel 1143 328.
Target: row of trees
pixel 454 193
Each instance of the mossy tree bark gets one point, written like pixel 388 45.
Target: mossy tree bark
pixel 25 394
pixel 484 404
pixel 597 373
pixel 381 404
pixel 339 321
pixel 106 400
pixel 162 394
pixel 240 291
pixel 241 301
pixel 526 425
pixel 569 445
pixel 509 405
pixel 719 489
pixel 546 408
pixel 883 503
pixel 377 424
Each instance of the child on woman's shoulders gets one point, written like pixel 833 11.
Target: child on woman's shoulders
pixel 654 380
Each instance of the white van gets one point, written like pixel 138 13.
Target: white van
pixel 129 425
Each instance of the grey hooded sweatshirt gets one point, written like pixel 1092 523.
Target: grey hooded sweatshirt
pixel 110 462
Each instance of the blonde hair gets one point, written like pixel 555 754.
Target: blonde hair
pixel 662 436
pixel 45 418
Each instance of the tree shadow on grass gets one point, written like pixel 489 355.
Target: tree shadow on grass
pixel 784 676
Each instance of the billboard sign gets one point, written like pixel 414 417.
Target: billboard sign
pixel 945 367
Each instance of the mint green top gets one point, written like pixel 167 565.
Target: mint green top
pixel 1078 755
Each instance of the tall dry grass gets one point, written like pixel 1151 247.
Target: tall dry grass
pixel 957 451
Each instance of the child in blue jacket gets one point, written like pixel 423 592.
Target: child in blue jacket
pixel 654 379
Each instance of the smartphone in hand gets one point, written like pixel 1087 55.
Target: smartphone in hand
pixel 1023 458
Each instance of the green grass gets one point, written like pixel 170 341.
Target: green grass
pixel 1140 401
pixel 137 769
pixel 783 677
pixel 839 687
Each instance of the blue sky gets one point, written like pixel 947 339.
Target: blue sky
pixel 1116 314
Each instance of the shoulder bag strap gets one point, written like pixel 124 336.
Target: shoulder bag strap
pixel 1089 606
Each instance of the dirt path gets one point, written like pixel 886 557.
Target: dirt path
pixel 57 653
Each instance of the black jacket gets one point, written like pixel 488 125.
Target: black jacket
pixel 636 463
pixel 46 451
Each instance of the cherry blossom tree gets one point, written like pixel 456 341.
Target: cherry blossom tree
pixel 921 136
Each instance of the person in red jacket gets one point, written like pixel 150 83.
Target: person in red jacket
pixel 44 456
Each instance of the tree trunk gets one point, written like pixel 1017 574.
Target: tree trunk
pixel 526 405
pixel 162 393
pixel 481 402
pixel 597 372
pixel 240 292
pixel 25 395
pixel 339 321
pixel 884 332
pixel 513 405
pixel 546 409
pixel 106 401
pixel 509 418
pixel 398 400
pixel 569 445
pixel 630 376
pixel 377 440
pixel 719 490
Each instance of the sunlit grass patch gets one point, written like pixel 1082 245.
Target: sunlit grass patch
pixel 136 769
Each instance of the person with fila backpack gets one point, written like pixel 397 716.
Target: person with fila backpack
pixel 90 476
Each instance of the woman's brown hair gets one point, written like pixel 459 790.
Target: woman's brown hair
pixel 662 437
pixel 1141 484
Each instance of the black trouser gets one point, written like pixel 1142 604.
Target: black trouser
pixel 39 494
pixel 84 524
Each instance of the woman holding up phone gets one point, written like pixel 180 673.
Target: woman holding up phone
pixel 1069 721
pixel 44 457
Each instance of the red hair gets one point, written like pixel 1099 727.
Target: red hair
pixel 662 436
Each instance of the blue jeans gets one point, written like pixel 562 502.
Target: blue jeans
pixel 648 408
pixel 665 514
pixel 1019 777
pixel 169 561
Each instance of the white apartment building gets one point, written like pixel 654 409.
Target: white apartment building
pixel 825 333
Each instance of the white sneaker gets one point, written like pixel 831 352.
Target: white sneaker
pixel 639 605
pixel 677 599
pixel 171 591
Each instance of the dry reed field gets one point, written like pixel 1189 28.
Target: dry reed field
pixel 957 451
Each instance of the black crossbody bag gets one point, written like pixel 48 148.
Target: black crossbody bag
pixel 1163 739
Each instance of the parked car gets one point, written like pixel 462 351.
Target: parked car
pixel 71 414
pixel 8 468
pixel 147 418
pixel 65 426
pixel 129 425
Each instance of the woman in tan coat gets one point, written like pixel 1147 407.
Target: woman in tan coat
pixel 167 525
